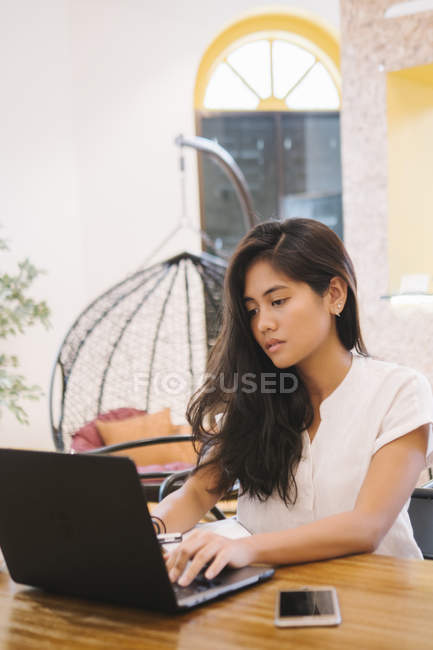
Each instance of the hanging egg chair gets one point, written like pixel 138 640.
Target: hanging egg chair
pixel 144 343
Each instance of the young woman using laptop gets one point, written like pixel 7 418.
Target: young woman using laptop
pixel 326 442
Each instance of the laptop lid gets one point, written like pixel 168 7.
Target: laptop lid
pixel 79 525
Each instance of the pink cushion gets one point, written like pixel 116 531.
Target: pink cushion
pixel 169 467
pixel 88 436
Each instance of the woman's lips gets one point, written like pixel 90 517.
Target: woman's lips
pixel 274 346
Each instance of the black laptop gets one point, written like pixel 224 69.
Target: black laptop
pixel 79 525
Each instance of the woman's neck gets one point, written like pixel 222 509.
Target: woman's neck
pixel 325 371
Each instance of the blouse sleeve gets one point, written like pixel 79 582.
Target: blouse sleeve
pixel 411 407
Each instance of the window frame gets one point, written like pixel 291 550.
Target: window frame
pixel 278 115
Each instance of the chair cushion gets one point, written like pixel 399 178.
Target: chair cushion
pixel 150 425
pixel 170 467
pixel 87 437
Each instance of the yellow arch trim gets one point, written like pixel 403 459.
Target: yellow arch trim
pixel 315 34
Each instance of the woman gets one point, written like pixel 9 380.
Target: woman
pixel 327 445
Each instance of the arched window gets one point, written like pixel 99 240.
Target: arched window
pixel 271 72
pixel 268 90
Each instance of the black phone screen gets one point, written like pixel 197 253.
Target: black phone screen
pixel 306 603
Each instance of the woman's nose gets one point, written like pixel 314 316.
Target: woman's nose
pixel 265 322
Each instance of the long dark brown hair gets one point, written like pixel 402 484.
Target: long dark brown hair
pixel 256 436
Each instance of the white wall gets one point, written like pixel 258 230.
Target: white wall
pixel 93 93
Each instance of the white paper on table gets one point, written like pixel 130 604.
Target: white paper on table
pixel 229 528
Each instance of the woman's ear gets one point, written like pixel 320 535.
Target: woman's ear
pixel 337 295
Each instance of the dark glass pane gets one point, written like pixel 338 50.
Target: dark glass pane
pixel 292 165
pixel 312 168
pixel 251 140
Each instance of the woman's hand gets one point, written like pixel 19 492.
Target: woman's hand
pixel 204 547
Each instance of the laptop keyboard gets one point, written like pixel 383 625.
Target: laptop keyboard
pixel 200 583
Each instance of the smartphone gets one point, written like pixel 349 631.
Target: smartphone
pixel 307 606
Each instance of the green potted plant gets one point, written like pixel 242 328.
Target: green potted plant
pixel 18 311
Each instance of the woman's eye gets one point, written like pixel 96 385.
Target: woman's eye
pixel 251 312
pixel 279 301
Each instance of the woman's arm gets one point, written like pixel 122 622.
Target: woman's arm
pixel 392 475
pixel 182 509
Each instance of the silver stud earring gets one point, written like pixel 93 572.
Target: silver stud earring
pixel 338 314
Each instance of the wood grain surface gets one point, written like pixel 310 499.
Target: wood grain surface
pixel 385 603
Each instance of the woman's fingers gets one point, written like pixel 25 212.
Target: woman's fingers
pixel 179 557
pixel 201 558
pixel 170 559
pixel 192 549
pixel 220 561
pixel 235 553
pixel 203 549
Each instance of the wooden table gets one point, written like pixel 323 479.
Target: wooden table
pixel 385 603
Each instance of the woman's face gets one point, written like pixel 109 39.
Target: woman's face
pixel 289 320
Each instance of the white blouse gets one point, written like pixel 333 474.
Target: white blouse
pixel 375 403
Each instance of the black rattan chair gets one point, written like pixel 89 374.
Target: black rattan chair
pixel 421 517
pixel 142 344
